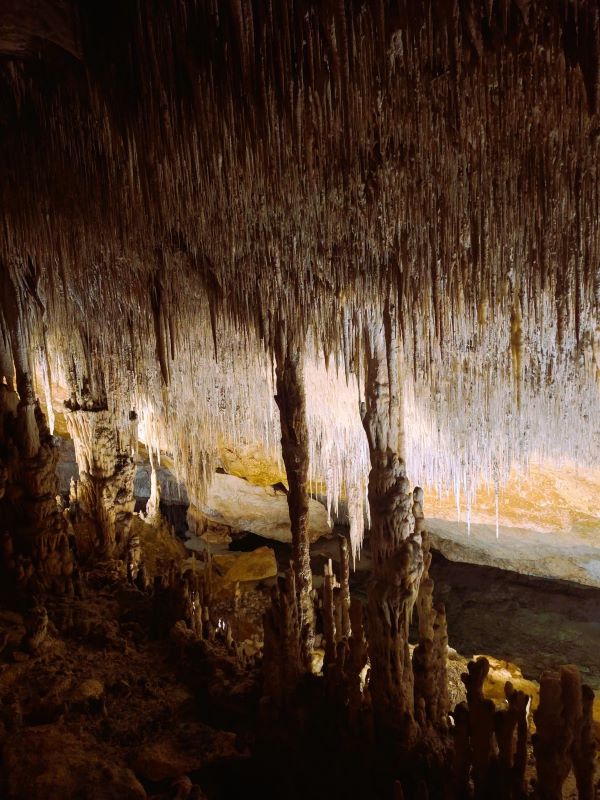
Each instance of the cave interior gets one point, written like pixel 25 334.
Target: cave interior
pixel 299 399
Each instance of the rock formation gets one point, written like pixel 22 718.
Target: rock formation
pixel 431 654
pixel 564 739
pixel 104 491
pixel 395 543
pixel 291 401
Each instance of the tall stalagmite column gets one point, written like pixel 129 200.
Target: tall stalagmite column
pixel 104 455
pixel 291 401
pixel 153 505
pixel 395 545
pixel 430 655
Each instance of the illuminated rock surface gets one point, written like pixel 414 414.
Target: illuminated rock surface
pixel 242 506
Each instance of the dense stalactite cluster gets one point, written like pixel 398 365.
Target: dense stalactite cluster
pixel 448 152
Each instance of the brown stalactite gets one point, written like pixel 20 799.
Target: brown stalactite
pixel 6 363
pixel 291 401
pixel 395 545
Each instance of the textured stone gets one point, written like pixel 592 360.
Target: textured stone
pixel 256 565
pixel 179 755
pixel 261 510
pixel 89 689
pixel 252 462
pixel 545 555
pixel 54 763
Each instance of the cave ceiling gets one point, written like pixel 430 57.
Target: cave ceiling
pixel 180 180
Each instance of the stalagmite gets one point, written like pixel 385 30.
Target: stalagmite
pixel 344 627
pixel 357 661
pixel 430 655
pixel 395 545
pixel 563 739
pixel 291 401
pixel 106 473
pixel 510 727
pixel 282 659
pixel 152 514
pixel 329 627
pixel 481 713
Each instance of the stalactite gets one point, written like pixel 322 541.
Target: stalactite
pixel 291 401
pixel 395 545
pixel 6 362
pixel 36 553
pixel 15 314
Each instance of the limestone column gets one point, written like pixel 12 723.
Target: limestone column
pixel 395 545
pixel 152 515
pixel 106 471
pixel 430 655
pixel 291 401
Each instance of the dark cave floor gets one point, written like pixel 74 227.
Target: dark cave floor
pixel 105 710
